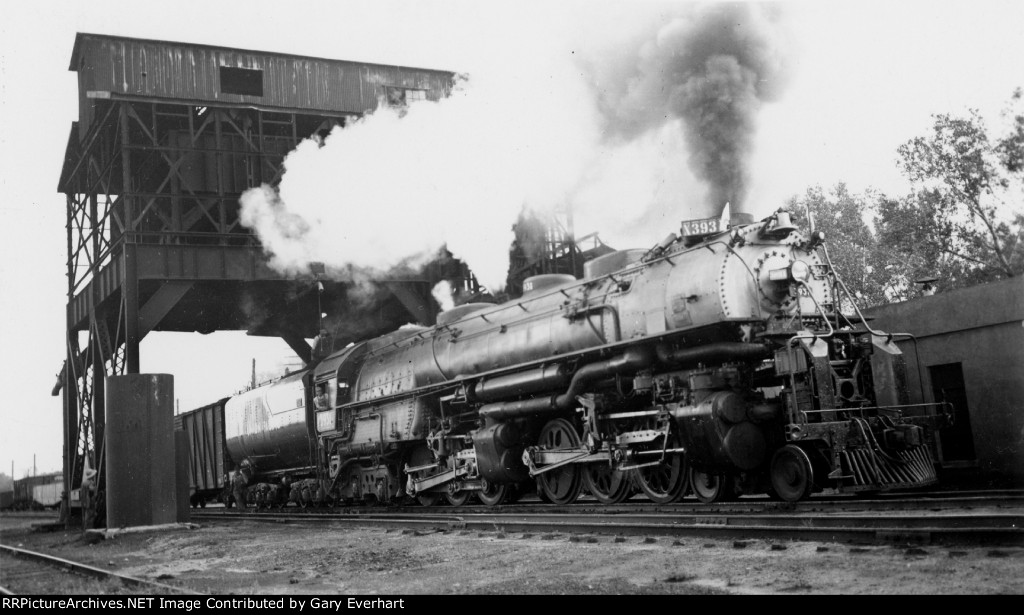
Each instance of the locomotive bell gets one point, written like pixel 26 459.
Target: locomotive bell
pixel 783 225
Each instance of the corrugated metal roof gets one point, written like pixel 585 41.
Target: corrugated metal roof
pixel 191 73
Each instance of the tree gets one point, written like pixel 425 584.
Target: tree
pixel 963 218
pixel 963 222
pixel 873 273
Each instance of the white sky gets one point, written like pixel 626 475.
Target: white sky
pixel 868 76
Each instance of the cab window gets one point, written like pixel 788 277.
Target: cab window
pixel 323 394
pixel 343 395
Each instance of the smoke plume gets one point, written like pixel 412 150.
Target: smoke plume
pixel 633 136
pixel 712 70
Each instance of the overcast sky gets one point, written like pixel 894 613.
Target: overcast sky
pixel 863 78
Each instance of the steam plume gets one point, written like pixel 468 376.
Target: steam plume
pixel 607 130
pixel 444 294
pixel 389 187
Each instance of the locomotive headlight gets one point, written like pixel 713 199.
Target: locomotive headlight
pixel 799 271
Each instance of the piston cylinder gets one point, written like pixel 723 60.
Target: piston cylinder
pixel 717 432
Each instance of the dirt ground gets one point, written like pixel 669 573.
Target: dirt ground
pixel 260 558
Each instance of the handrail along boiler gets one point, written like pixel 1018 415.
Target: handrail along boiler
pixel 718 362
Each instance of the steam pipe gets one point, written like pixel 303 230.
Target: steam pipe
pixel 547 378
pixel 516 409
pixel 715 351
pixel 632 359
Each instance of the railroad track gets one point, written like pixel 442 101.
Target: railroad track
pixel 963 519
pixel 29 572
pixel 530 503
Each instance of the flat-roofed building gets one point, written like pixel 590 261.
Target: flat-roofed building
pixel 970 352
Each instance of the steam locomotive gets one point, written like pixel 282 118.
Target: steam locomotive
pixel 718 362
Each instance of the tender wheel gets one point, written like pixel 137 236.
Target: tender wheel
pixel 563 485
pixel 421 456
pixel 792 473
pixel 493 494
pixel 710 487
pixel 666 482
pixel 605 484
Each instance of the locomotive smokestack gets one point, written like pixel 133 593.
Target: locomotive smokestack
pixel 737 218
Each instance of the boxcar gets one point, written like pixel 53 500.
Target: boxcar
pixel 209 462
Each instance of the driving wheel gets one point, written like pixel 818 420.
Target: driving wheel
pixel 606 484
pixel 668 481
pixel 561 485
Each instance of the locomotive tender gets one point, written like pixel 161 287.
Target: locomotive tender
pixel 718 362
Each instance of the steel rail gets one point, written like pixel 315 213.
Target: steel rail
pixel 973 501
pixel 1002 528
pixel 92 571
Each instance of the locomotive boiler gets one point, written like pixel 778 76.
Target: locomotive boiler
pixel 719 361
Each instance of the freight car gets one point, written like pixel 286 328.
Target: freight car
pixel 718 361
pixel 34 493
pixel 47 495
pixel 210 466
